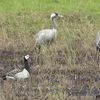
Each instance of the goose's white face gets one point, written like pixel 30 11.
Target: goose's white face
pixel 27 57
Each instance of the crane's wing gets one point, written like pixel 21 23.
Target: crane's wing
pixel 43 32
pixel 45 36
pixel 15 71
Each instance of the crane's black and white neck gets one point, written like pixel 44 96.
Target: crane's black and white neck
pixel 20 73
pixel 48 35
pixel 54 15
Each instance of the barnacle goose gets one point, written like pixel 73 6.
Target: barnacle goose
pixel 20 73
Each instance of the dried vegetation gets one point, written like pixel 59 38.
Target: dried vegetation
pixel 67 70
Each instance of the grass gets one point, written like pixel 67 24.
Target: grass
pixel 44 6
pixel 65 68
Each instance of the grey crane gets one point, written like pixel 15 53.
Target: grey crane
pixel 48 35
pixel 19 73
pixel 98 41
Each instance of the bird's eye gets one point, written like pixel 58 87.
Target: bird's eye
pixel 56 14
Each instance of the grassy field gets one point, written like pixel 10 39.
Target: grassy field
pixel 69 69
pixel 44 6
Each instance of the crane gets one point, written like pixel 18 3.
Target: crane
pixel 47 36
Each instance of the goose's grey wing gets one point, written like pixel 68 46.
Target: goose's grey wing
pixel 15 71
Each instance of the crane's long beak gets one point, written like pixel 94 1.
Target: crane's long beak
pixel 60 16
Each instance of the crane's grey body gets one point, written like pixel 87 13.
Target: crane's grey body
pixel 98 41
pixel 48 35
pixel 45 36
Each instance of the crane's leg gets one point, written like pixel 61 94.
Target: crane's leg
pixel 37 49
pixel 97 48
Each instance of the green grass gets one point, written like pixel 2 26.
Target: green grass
pixel 49 6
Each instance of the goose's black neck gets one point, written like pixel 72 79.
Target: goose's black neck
pixel 26 65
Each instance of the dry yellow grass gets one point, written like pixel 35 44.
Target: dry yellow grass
pixel 66 70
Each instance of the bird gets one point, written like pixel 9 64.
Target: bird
pixel 47 36
pixel 98 41
pixel 19 73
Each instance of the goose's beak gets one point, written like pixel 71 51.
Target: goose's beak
pixel 60 16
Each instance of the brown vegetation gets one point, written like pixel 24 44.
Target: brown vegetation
pixel 67 70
